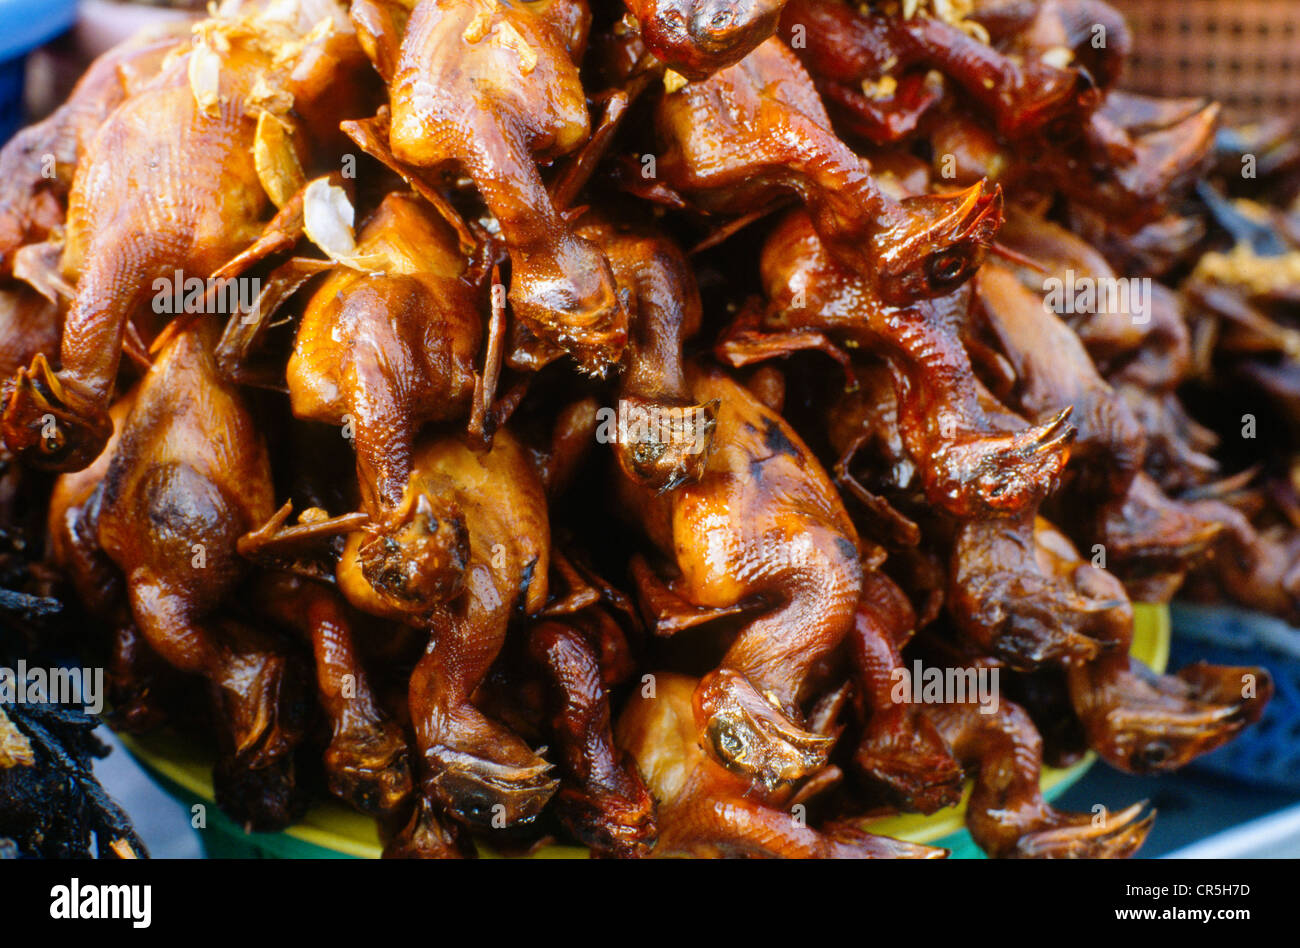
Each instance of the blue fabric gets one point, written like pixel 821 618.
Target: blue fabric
pixel 1268 753
pixel 26 24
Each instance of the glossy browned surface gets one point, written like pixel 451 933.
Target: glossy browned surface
pixel 491 86
pixel 523 508
pixel 757 129
pixel 602 800
pixel 167 184
pixel 389 351
pixel 478 524
pixel 664 307
pixel 967 465
pixel 705 810
pixel 762 523
pixel 188 475
pixel 32 193
pixel 845 48
pixel 698 37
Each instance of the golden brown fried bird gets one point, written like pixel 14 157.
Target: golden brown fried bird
pixel 492 87
pixel 756 131
pixel 706 810
pixel 385 353
pixel 764 530
pixel 172 182
pixel 968 467
pixel 188 476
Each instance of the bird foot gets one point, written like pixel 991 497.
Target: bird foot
pixel 905 752
pixel 426 837
pixel 845 841
pixel 1155 724
pixel 610 823
pixel 1083 836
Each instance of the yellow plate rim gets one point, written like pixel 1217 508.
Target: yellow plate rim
pixel 336 828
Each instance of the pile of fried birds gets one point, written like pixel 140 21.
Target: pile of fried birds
pixel 566 420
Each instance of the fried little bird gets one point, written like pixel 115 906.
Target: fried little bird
pixel 188 476
pixel 757 130
pixel 483 516
pixel 384 353
pixel 473 553
pixel 172 181
pixel 1006 813
pixel 452 635
pixel 37 165
pixel 706 810
pixel 762 530
pixel 967 464
pixel 919 752
pixel 492 87
pixel 1139 721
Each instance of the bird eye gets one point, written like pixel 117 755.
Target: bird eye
pixel 53 440
pixel 672 20
pixel 946 268
pixel 722 20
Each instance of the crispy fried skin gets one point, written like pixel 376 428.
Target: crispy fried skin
pixel 1006 814
pixel 757 130
pixel 476 548
pixel 968 467
pixel 168 183
pixel 491 86
pixel 386 353
pixel 189 475
pixel 706 810
pixel 762 526
pixel 844 48
pixel 602 799
pixel 696 38
pixel 33 191
pixel 664 306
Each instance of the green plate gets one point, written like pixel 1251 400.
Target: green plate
pixel 332 831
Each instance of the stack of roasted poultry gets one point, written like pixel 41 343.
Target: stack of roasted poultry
pixel 566 420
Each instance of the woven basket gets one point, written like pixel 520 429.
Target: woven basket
pixel 1242 53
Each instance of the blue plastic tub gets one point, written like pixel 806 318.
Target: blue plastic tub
pixel 1269 752
pixel 25 25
